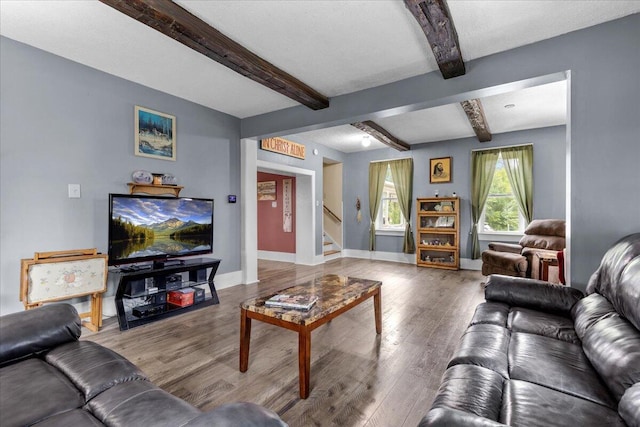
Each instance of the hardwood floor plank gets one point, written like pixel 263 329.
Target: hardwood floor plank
pixel 358 378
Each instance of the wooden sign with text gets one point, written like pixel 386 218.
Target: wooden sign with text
pixel 282 146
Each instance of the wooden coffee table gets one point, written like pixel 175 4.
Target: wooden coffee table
pixel 336 294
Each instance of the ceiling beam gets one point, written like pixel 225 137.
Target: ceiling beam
pixel 382 135
pixel 176 22
pixel 436 22
pixel 475 114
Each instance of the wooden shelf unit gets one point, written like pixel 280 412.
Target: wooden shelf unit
pixel 438 232
pixel 154 189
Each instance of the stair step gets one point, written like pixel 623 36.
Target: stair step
pixel 331 252
pixel 327 243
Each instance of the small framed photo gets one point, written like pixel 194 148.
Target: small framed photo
pixel 266 190
pixel 155 134
pixel 440 170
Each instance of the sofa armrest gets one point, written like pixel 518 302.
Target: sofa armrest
pixel 244 414
pixel 454 417
pixel 32 331
pixel 505 247
pixel 531 293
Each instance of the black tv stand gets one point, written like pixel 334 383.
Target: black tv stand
pixel 142 294
pixel 167 263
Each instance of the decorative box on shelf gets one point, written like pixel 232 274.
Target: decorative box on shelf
pixel 438 232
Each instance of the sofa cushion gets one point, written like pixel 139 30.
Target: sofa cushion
pixel 531 405
pixel 613 346
pixel 493 313
pixel 614 261
pixel 588 311
pixel 486 346
pixel 91 367
pixel 627 295
pixel 140 403
pixel 77 417
pixel 546 227
pixel 540 323
pixel 25 333
pixel 447 417
pixel 471 389
pixel 33 390
pixel 629 406
pixel 555 364
pixel 506 262
pixel 533 294
pixel 549 243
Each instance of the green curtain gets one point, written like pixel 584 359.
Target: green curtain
pixel 402 174
pixel 518 163
pixel 377 173
pixel 483 165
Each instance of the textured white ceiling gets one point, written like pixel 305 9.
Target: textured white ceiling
pixel 335 46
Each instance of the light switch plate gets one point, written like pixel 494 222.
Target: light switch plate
pixel 74 191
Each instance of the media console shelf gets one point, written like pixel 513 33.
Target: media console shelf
pixel 142 294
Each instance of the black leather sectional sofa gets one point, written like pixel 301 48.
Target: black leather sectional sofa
pixel 537 354
pixel 50 378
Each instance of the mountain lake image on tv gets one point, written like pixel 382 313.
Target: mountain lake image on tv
pixel 150 228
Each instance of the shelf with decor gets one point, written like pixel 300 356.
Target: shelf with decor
pixel 438 222
pixel 155 189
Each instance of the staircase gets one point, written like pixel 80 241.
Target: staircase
pixel 331 250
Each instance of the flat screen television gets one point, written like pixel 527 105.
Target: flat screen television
pixel 155 228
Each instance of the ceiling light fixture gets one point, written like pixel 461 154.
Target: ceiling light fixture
pixel 366 141
pixel 509 106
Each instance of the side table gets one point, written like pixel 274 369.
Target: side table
pixel 546 261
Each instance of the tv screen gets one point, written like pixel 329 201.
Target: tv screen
pixel 143 228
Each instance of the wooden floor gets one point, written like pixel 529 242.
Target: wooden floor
pixel 357 377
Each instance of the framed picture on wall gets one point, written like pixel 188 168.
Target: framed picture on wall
pixel 440 170
pixel 155 134
pixel 267 190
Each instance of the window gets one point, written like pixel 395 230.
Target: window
pixel 501 213
pixel 390 216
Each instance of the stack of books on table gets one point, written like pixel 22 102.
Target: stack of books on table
pixel 294 302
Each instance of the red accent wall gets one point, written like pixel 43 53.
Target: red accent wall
pixel 271 236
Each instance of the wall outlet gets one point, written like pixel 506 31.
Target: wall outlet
pixel 74 191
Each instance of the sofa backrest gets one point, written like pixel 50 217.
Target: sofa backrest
pixel 545 234
pixel 30 332
pixel 618 278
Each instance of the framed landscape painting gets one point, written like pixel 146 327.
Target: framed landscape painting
pixel 155 134
pixel 440 170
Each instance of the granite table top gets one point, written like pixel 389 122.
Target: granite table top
pixel 333 292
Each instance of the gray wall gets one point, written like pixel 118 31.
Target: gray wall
pixel 64 123
pixel 549 145
pixel 604 126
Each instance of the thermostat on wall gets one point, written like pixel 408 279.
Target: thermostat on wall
pixel 232 198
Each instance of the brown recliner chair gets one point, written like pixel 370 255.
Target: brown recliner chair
pixel 542 236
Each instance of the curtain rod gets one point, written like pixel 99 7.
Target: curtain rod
pixel 506 146
pixel 390 160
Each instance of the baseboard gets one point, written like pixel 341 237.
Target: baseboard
pixel 277 256
pixel 465 263
pixel 380 256
pixel 470 264
pixel 227 280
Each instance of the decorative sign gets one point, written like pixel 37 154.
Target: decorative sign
pixel 282 146
pixel 267 190
pixel 287 216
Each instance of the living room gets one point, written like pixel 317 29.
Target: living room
pixel 65 123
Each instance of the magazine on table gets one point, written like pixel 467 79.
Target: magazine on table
pixel 297 302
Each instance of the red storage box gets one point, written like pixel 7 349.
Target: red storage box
pixel 181 297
